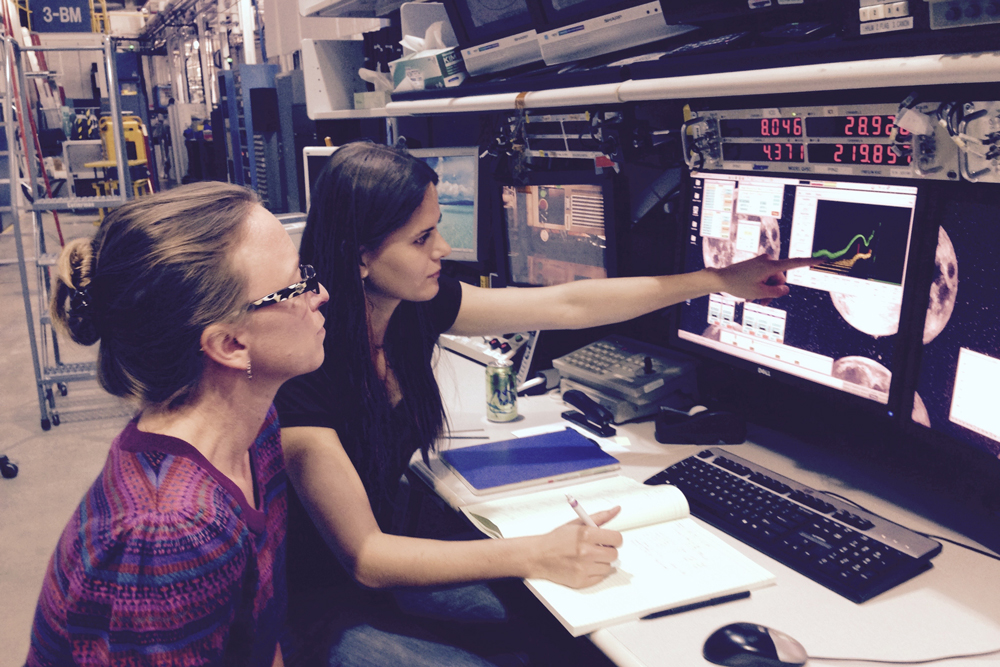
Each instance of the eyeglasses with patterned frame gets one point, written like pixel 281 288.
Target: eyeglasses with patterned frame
pixel 309 283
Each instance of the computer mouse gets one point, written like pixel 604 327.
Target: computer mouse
pixel 752 645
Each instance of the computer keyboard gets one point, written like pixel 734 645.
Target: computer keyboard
pixel 852 552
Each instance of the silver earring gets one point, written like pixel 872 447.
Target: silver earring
pixel 249 372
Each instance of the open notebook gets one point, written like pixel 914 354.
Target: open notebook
pixel 667 560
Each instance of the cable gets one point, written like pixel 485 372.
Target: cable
pixel 927 535
pixel 962 656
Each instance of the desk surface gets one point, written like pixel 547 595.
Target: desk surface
pixel 953 608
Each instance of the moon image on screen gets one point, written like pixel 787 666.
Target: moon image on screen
pixel 920 414
pixel 944 289
pixel 770 236
pixel 719 253
pixel 863 372
pixel 872 315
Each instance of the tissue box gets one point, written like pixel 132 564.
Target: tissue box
pixel 440 68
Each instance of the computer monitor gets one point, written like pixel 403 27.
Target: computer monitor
pixel 957 380
pixel 837 328
pixel 314 158
pixel 559 229
pixel 458 189
pixel 494 35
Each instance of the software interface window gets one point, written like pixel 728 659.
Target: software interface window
pixel 837 326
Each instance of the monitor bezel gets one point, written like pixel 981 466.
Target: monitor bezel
pixel 313 151
pixel 470 35
pixel 551 18
pixel 890 411
pixel 606 181
pixel 461 255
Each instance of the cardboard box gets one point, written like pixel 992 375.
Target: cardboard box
pixel 440 68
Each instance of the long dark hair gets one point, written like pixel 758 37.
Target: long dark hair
pixel 364 194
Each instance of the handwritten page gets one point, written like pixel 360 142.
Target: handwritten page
pixel 662 566
pixel 540 512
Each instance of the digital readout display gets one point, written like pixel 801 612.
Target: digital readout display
pixel 856 154
pixel 762 127
pixel 853 126
pixel 776 152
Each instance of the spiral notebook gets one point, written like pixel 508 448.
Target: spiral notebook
pixel 535 459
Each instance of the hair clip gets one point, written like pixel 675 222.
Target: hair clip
pixel 78 301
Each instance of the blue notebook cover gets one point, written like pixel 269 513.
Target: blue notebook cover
pixel 535 459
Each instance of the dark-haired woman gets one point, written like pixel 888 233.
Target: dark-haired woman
pixel 351 427
pixel 176 554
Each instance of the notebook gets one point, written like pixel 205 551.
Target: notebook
pixel 666 561
pixel 535 459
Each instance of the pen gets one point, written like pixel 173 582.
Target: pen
pixel 697 605
pixel 580 512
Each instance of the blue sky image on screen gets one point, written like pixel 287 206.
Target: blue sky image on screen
pixel 457 196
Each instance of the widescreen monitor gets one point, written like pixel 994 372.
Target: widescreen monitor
pixel 559 232
pixel 837 328
pixel 957 390
pixel 457 189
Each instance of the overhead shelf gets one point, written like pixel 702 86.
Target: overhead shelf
pixel 861 74
pixel 349 8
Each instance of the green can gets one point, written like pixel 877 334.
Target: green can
pixel 501 391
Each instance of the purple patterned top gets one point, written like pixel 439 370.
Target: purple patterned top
pixel 165 563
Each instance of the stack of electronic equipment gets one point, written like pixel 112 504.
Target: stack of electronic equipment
pixel 628 378
pixel 542 44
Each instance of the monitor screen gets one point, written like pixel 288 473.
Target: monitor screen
pixel 480 21
pixel 837 327
pixel 314 158
pixel 457 188
pixel 958 382
pixel 557 233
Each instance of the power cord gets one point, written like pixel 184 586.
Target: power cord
pixel 927 535
pixel 962 656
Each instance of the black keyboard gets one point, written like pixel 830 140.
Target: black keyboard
pixel 851 552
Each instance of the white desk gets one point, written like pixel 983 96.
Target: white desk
pixel 953 608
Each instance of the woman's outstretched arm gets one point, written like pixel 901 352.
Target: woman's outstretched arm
pixel 589 303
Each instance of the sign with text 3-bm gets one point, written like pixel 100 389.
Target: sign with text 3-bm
pixel 60 16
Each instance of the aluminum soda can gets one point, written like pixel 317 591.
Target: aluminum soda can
pixel 501 391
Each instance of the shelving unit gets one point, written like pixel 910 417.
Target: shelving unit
pixel 860 74
pixel 52 373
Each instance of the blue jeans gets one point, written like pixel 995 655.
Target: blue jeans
pixel 364 645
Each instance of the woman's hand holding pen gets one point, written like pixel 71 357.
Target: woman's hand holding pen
pixel 575 554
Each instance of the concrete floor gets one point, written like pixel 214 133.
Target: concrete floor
pixel 56 466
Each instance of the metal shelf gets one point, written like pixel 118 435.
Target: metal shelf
pixel 877 73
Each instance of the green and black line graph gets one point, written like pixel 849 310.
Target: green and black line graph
pixel 865 241
pixel 842 261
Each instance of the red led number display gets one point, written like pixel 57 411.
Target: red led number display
pixel 781 127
